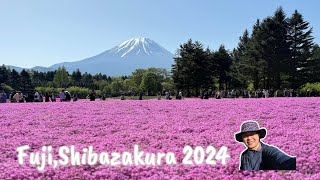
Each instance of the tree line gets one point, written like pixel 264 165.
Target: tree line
pixel 147 81
pixel 279 53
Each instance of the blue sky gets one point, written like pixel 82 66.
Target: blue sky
pixel 45 32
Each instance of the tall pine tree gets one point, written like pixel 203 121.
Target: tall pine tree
pixel 222 61
pixel 301 42
pixel 182 72
pixel 240 68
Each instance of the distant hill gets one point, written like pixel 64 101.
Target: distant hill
pixel 36 68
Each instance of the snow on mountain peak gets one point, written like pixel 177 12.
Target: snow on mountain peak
pixel 123 59
pixel 139 46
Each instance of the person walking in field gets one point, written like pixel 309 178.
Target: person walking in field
pixel 68 96
pixel 159 95
pixel 46 97
pixel 62 96
pixel 53 97
pixel 37 97
pixel 218 95
pixel 122 97
pixel 206 95
pixel 179 96
pixel 3 97
pixel 168 95
pixel 18 97
pixel 92 96
pixel 75 97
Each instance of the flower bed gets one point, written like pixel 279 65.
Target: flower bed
pixel 159 126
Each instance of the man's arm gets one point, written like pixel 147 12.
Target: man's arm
pixel 241 162
pixel 280 160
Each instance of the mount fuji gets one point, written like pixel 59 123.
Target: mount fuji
pixel 124 58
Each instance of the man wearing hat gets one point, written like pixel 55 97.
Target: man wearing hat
pixel 259 155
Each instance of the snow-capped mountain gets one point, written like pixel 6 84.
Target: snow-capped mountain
pixel 124 58
pixel 139 46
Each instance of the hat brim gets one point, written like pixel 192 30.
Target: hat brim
pixel 262 134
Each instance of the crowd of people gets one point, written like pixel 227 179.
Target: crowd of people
pixel 168 95
pixel 36 96
pixel 244 93
pixel 65 96
pixel 264 93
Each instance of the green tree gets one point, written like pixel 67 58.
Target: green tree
pixel 137 75
pixel 49 76
pixel 315 52
pixel 76 77
pixel 61 78
pixel 107 90
pixel 130 86
pixel 87 81
pixel 116 87
pixel 101 84
pixel 241 66
pixel 192 68
pixel 4 74
pixel 254 58
pixel 301 42
pixel 222 61
pixel 310 70
pixel 181 69
pixel 202 69
pixel 15 80
pixel 151 83
pixel 7 89
pixel 39 78
pixel 98 77
pixel 275 48
pixel 168 86
pixel 25 80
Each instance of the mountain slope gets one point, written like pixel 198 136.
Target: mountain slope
pixel 124 58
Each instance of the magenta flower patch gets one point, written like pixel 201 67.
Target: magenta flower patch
pixel 158 126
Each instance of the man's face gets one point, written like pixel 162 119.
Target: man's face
pixel 251 140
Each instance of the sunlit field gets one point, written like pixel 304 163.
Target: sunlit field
pixel 158 126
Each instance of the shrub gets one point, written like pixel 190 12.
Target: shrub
pixel 7 89
pixel 311 87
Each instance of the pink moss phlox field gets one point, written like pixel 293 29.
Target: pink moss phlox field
pixel 293 125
